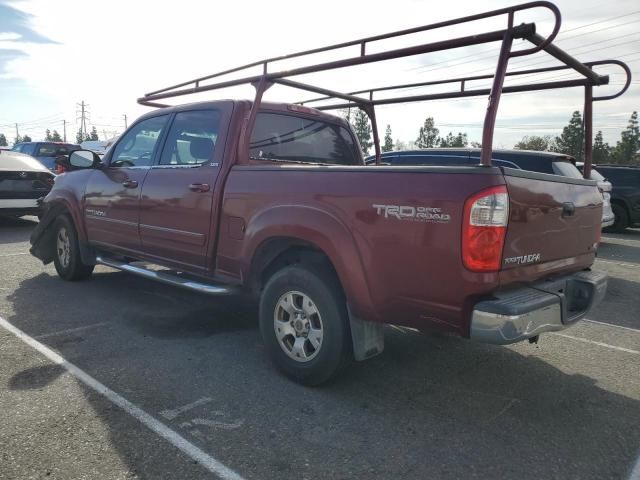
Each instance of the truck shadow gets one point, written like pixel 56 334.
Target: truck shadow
pixel 429 407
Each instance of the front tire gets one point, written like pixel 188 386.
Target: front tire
pixel 304 324
pixel 621 219
pixel 67 259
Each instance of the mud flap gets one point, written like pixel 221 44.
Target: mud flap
pixel 367 337
pixel 42 241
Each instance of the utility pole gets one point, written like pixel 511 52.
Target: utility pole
pixel 125 121
pixel 84 113
pixel 17 134
pixel 64 134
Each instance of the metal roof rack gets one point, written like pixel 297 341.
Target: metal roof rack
pixel 261 82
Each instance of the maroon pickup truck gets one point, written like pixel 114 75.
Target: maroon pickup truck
pixel 275 201
pixel 328 244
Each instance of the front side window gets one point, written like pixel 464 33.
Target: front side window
pixel 296 139
pixel 137 146
pixel 192 138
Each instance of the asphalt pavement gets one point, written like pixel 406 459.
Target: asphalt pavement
pixel 193 394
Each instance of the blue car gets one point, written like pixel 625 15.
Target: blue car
pixel 46 152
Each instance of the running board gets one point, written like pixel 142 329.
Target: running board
pixel 168 278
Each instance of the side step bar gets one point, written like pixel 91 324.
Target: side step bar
pixel 168 278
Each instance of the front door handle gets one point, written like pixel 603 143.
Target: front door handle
pixel 130 184
pixel 199 187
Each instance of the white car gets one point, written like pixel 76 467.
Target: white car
pixel 23 180
pixel 604 185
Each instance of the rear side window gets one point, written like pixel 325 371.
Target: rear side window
pixel 622 177
pixel 192 138
pixel 297 139
pixel 53 149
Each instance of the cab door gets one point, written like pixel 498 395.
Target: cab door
pixel 176 207
pixel 112 197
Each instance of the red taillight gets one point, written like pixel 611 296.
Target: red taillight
pixel 486 215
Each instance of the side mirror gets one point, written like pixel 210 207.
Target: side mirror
pixel 84 159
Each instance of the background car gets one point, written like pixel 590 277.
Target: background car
pixel 605 186
pixel 625 194
pixel 23 180
pixel 46 152
pixel 534 161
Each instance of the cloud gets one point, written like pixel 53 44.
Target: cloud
pixel 15 29
pixel 17 22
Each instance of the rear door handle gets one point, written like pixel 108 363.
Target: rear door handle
pixel 199 187
pixel 568 209
pixel 130 184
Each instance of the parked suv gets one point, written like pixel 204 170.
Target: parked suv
pixel 534 161
pixel 625 195
pixel 46 152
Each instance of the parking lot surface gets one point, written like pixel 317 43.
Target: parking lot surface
pixel 429 407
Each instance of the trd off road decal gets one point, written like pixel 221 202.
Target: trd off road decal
pixel 95 213
pixel 414 214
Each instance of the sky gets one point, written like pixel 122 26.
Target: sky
pixel 54 55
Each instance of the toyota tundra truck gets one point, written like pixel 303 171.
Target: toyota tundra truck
pixel 274 200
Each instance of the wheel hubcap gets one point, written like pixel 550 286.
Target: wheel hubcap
pixel 298 326
pixel 63 247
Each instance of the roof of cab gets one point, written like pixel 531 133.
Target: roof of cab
pixel 288 108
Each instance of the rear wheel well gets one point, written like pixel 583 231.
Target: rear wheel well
pixel 277 253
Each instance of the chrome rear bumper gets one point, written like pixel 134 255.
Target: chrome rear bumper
pixel 518 314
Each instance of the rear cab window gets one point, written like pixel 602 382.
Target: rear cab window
pixel 290 138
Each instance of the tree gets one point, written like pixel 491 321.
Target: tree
pixel 451 140
pixel 388 141
pixel 534 142
pixel 363 130
pixel 601 150
pixel 55 136
pixel 94 134
pixel 26 138
pixel 476 144
pixel 629 142
pixel 82 137
pixel 571 141
pixel 47 136
pixel 428 135
pixel 3 140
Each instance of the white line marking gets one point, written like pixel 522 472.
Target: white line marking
pixel 14 254
pixel 611 325
pixel 619 263
pixel 171 414
pixel 178 441
pixel 70 330
pixel 217 424
pixel 612 347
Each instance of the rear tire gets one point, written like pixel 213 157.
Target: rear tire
pixel 304 324
pixel 66 258
pixel 621 222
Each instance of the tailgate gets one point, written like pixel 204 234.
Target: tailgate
pixel 552 219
